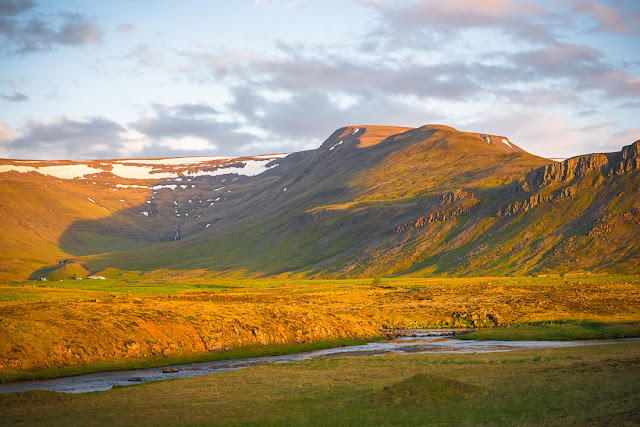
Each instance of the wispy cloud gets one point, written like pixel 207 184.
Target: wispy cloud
pixel 24 30
pixel 127 29
pixel 271 3
pixel 606 17
pixel 525 68
pixel 14 7
pixel 15 97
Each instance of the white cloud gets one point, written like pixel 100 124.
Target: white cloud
pixel 133 143
pixel 526 69
pixel 190 143
pixel 7 133
pixel 271 4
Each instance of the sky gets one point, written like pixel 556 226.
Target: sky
pixel 91 79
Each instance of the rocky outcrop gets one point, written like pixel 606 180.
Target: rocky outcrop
pixel 440 216
pixel 465 203
pixel 527 204
pixel 450 197
pixel 606 165
pixel 611 223
pixel 522 205
pixel 565 171
pixel 627 160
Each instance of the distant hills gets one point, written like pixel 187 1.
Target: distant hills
pixel 371 201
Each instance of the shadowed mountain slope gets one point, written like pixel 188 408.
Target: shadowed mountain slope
pixel 54 210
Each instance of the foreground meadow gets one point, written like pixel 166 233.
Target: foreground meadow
pixel 133 320
pixel 592 385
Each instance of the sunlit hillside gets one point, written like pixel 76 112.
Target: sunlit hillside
pixel 370 201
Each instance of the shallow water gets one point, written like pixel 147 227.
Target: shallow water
pixel 417 341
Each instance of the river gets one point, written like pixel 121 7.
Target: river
pixel 413 341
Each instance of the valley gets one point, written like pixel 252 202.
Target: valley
pixel 146 319
pixel 140 263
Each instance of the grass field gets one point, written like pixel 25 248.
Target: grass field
pixel 595 385
pixel 142 319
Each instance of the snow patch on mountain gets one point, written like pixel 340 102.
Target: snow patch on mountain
pixel 62 171
pixel 130 186
pixel 161 186
pixel 249 168
pixel 155 169
pixel 335 145
pixel 139 172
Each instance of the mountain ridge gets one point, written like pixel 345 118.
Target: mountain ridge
pixel 418 201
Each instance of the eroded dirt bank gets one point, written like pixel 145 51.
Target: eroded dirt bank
pixel 41 335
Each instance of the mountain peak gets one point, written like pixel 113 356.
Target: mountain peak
pixel 369 135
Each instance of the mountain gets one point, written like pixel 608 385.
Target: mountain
pixel 370 201
pixel 55 210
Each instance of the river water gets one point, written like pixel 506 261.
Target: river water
pixel 413 341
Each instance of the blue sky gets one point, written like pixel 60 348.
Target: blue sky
pixel 154 78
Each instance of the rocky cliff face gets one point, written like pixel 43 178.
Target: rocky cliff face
pixel 606 164
pixel 564 171
pixel 557 181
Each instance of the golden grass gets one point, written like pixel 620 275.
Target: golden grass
pixel 88 322
pixel 372 135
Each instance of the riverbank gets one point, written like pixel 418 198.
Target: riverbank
pixel 161 361
pixel 401 342
pixel 62 328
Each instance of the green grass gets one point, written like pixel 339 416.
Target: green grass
pixel 558 331
pixel 132 283
pixel 595 385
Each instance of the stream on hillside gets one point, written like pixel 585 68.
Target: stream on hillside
pixel 409 341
